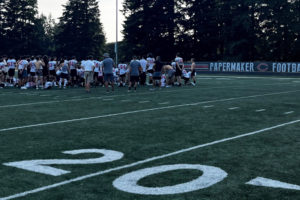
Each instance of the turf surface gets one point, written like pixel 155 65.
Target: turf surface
pixel 147 124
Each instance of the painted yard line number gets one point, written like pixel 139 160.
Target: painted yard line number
pixel 129 182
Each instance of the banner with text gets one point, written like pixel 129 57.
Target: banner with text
pixel 247 67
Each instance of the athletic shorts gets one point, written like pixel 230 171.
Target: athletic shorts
pixel 39 72
pixel 88 77
pixel 11 72
pixel 24 74
pixel 108 77
pixel 64 76
pixel 52 72
pixel 157 75
pixel 178 73
pixel 193 73
pixel 20 74
pixel 95 75
pixel 122 75
pixel 73 72
pixel 32 74
pixel 150 71
pixel 45 72
pixel 171 73
pixel 134 79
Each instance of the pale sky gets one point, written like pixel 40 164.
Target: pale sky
pixel 108 14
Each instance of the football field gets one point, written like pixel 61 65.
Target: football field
pixel 228 138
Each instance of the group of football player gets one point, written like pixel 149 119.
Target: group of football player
pixel 43 72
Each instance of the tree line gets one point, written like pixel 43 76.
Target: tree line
pixel 23 31
pixel 210 30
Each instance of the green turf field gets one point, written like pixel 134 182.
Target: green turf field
pixel 177 127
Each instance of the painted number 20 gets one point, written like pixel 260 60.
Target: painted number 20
pixel 128 182
pixel 42 166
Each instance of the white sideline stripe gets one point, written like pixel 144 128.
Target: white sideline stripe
pixel 234 108
pixel 287 113
pixel 140 111
pixel 145 161
pixel 144 93
pixel 261 110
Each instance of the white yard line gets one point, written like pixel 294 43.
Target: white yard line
pixel 288 113
pixel 141 111
pixel 123 95
pixel 108 99
pixel 81 178
pixel 234 108
pixel 261 110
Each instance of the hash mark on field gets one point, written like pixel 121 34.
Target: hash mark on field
pixel 144 102
pixel 288 113
pixel 261 110
pixel 125 100
pixel 164 103
pixel 208 106
pixel 234 108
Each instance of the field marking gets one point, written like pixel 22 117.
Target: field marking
pixel 108 99
pixel 288 113
pixel 265 182
pixel 261 110
pixel 126 100
pixel 234 108
pixel 122 95
pixel 142 111
pixel 211 106
pixel 81 178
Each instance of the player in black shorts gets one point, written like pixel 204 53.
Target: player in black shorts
pixel 157 72
pixel 193 70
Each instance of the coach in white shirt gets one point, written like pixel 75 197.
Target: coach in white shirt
pixel 89 67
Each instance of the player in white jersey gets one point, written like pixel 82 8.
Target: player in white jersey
pixel 11 63
pixel 179 68
pixel 52 70
pixel 73 72
pixel 65 71
pixel 150 65
pixel 100 75
pixel 186 76
pixel 122 72
pixel 32 70
pixel 96 72
pixel 143 75
pixel 22 71
pixel 39 72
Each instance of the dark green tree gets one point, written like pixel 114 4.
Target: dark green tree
pixel 80 31
pixel 151 26
pixel 2 23
pixel 20 27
